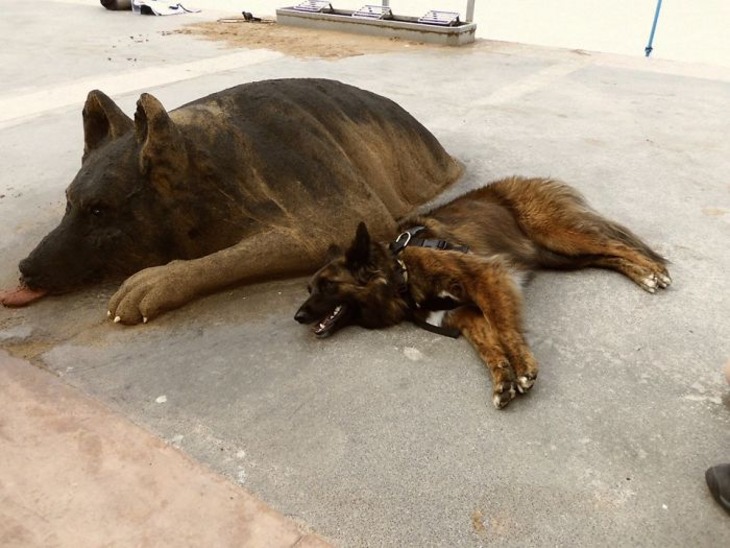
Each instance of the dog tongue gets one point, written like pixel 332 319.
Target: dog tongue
pixel 20 296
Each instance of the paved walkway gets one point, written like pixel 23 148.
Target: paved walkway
pixel 73 473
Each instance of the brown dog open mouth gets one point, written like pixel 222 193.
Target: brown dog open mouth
pixel 332 322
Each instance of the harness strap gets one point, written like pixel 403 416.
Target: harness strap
pixel 438 244
pixel 402 241
pixel 408 237
pixel 452 332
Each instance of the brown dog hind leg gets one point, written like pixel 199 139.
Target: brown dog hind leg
pixel 592 241
pixel 573 235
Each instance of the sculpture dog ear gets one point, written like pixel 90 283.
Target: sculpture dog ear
pixel 104 121
pixel 163 155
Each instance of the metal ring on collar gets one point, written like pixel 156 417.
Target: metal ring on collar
pixel 408 237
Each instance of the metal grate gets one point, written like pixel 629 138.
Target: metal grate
pixel 373 12
pixel 443 18
pixel 314 6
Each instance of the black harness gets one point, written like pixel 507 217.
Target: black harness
pixel 408 238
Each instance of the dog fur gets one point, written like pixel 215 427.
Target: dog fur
pixel 512 227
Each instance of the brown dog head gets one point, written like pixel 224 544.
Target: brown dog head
pixel 356 287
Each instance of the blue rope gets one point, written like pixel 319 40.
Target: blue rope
pixel 648 49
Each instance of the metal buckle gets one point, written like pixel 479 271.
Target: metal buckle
pixel 408 237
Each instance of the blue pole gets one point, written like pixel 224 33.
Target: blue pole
pixel 648 49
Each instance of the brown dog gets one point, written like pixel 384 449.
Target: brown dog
pixel 511 227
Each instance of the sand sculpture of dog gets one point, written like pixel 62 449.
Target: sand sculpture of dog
pixel 243 185
pixel 510 228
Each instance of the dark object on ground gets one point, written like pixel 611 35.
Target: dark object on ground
pixel 117 5
pixel 718 480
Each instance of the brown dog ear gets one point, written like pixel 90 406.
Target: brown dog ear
pixel 162 153
pixel 104 121
pixel 359 251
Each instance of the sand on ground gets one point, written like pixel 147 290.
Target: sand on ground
pixel 299 42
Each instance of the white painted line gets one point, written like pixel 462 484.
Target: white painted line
pixel 18 107
pixel 543 78
pixel 529 84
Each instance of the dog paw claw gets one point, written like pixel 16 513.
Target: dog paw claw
pixel 650 283
pixel 654 281
pixel 504 393
pixel 525 382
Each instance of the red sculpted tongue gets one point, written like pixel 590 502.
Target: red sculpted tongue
pixel 20 296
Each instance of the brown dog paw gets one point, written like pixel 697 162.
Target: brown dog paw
pixel 504 392
pixel 525 382
pixel 525 367
pixel 655 280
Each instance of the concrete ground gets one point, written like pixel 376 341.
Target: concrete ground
pixel 119 436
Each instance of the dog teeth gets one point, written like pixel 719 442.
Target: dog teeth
pixel 332 316
pixel 329 321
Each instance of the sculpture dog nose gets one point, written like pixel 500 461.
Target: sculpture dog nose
pixel 28 269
